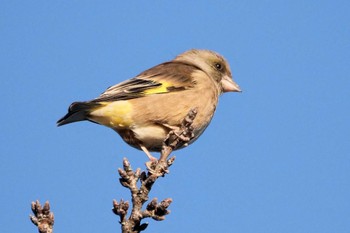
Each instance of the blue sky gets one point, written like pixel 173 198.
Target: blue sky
pixel 276 158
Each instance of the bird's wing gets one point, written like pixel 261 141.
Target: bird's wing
pixel 164 78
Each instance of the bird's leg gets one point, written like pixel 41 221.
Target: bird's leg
pixel 176 138
pixel 150 157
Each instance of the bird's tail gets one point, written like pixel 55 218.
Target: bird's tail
pixel 77 111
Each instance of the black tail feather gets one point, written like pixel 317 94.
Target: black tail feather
pixel 77 111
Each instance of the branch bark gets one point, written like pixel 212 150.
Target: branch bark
pixel 155 169
pixel 43 218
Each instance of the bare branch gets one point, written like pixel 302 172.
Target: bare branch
pixel 43 218
pixel 155 169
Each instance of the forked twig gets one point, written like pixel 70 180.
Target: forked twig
pixel 155 169
pixel 43 218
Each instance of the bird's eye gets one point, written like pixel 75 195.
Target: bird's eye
pixel 218 66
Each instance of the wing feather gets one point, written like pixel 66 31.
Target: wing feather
pixel 164 78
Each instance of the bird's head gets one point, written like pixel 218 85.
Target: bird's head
pixel 214 65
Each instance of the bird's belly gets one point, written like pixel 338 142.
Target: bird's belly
pixel 151 136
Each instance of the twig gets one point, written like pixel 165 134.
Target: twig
pixel 155 169
pixel 43 218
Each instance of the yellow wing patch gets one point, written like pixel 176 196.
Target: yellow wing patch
pixel 116 114
pixel 158 90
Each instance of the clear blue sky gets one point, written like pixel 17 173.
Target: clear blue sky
pixel 275 158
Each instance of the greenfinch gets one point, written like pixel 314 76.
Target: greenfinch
pixel 144 109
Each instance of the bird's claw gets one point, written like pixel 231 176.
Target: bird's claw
pixel 159 167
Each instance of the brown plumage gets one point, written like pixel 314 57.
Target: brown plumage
pixel 144 109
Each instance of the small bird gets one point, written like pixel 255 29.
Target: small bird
pixel 144 109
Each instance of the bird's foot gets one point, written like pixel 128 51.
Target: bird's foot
pixel 159 167
pixel 149 155
pixel 177 138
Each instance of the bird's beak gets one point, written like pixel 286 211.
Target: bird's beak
pixel 229 85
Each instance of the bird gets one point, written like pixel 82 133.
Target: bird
pixel 144 109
